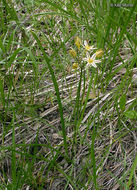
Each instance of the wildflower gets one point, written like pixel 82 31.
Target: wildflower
pixel 75 66
pixel 91 60
pixel 87 47
pixel 77 42
pixel 72 52
pixel 99 53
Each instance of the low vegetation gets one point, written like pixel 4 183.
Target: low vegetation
pixel 68 95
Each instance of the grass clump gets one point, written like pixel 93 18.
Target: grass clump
pixel 68 103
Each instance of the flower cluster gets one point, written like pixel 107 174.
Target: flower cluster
pixel 90 60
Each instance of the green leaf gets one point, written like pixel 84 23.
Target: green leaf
pixel 122 102
pixel 47 59
pixel 2 46
pixel 2 95
pixel 133 168
pixel 10 9
pixel 10 41
pixel 13 57
pixel 131 114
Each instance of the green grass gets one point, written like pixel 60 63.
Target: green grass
pixel 60 128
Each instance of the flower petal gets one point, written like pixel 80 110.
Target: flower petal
pixel 97 61
pixel 85 43
pixel 85 59
pixel 94 65
pixel 93 56
pixel 88 55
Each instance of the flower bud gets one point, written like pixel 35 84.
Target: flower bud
pixel 77 42
pixel 75 66
pixel 72 52
pixel 99 53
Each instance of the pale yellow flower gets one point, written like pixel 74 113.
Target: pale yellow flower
pixel 77 42
pixel 72 52
pixel 75 66
pixel 87 47
pixel 91 60
pixel 99 53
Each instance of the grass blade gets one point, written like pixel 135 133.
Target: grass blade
pixel 57 92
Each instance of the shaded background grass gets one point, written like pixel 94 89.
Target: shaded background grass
pixel 93 146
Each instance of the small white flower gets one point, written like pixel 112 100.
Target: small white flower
pixel 87 47
pixel 91 60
